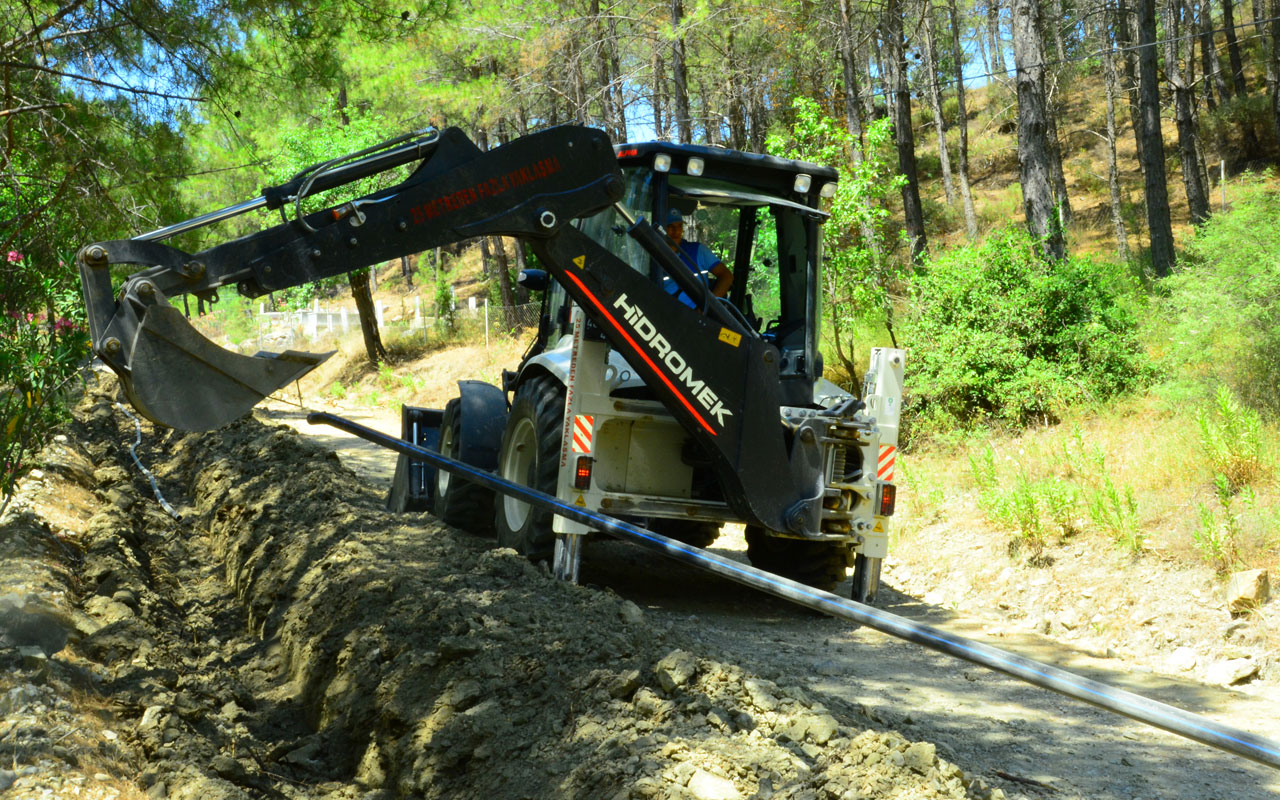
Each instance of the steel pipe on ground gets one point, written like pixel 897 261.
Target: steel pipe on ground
pixel 1151 712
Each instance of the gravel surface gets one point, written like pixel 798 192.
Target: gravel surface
pixel 1152 626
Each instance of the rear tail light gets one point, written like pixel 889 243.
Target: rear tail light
pixel 582 473
pixel 888 495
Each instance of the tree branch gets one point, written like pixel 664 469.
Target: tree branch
pixel 41 27
pixel 96 82
pixel 7 112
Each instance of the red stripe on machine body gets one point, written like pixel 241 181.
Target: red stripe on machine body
pixel 622 331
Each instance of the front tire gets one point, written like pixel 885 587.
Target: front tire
pixel 530 456
pixel 457 501
pixel 817 564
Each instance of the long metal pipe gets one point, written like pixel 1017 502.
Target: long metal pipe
pixel 1152 712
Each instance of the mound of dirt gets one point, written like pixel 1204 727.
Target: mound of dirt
pixel 289 637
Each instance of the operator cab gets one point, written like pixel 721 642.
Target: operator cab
pixel 759 214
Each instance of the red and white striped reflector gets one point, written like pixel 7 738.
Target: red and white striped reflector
pixel 888 455
pixel 582 425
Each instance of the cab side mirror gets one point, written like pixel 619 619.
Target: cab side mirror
pixel 534 280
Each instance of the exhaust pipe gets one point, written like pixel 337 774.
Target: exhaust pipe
pixel 1134 706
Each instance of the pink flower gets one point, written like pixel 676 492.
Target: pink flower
pixel 14 256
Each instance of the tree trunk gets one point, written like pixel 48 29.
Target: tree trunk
pixel 406 271
pixel 1273 66
pixel 970 216
pixel 1055 25
pixel 737 98
pixel 1233 49
pixel 902 133
pixel 935 97
pixel 993 33
pixel 1033 127
pixel 604 72
pixel 1113 171
pixel 486 258
pixel 988 63
pixel 869 96
pixel 658 97
pixel 615 67
pixel 1056 173
pixel 504 281
pixel 1209 59
pixel 680 78
pixel 1126 23
pixel 1252 148
pixel 1158 225
pixel 358 281
pixel 759 116
pixel 522 293
pixel 853 119
pixel 1197 197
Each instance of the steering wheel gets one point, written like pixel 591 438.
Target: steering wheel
pixel 777 330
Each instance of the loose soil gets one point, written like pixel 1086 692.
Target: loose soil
pixel 288 637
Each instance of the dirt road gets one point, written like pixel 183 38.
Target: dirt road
pixel 1035 743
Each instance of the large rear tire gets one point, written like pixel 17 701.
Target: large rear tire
pixel 457 501
pixel 693 532
pixel 817 564
pixel 530 456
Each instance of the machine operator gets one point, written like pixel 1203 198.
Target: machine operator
pixel 697 257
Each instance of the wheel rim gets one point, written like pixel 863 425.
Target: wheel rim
pixel 446 450
pixel 518 462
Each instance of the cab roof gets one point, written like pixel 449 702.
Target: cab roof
pixel 768 174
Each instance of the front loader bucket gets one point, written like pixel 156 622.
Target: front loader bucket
pixel 177 377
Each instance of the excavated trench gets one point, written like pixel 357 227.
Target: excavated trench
pixel 290 638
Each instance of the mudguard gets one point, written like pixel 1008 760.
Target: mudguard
pixel 484 418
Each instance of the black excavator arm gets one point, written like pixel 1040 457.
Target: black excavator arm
pixel 707 365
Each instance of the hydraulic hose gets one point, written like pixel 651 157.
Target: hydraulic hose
pixel 1134 706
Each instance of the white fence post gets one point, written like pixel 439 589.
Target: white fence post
pixel 486 323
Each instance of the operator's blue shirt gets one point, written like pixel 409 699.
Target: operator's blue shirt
pixel 698 258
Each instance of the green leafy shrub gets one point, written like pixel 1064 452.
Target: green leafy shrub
pixel 1218 541
pixel 1231 439
pixel 859 267
pixel 998 334
pixel 1223 321
pixel 40 354
pixel 1228 122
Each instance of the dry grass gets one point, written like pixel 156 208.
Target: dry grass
pixel 1138 449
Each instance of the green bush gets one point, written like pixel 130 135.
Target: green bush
pixel 1221 321
pixel 999 334
pixel 1228 122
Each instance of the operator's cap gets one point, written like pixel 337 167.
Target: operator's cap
pixel 673 216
